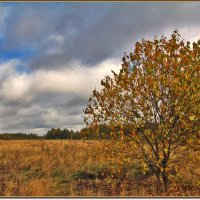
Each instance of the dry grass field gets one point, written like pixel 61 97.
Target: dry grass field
pixel 78 168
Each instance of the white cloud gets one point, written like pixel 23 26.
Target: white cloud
pixel 58 38
pixel 79 80
pixel 8 68
pixel 15 87
pixel 54 44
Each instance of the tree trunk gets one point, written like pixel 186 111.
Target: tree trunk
pixel 165 180
pixel 158 182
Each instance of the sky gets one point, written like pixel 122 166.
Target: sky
pixel 54 54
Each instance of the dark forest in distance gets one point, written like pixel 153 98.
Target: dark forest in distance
pixel 57 133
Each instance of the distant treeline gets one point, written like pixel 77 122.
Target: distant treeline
pixel 85 133
pixel 19 136
pixel 56 133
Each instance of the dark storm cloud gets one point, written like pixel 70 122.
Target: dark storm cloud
pixel 113 31
pixel 39 114
pixel 65 104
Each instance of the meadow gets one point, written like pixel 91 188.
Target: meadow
pixel 79 168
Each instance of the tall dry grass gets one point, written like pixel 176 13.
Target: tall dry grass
pixel 78 168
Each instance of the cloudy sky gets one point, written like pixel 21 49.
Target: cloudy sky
pixel 52 55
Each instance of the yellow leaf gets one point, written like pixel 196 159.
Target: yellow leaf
pixel 192 118
pixel 165 150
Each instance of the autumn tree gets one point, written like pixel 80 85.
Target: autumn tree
pixel 155 96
